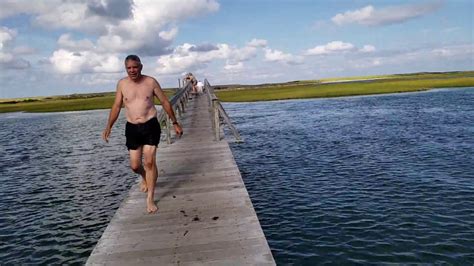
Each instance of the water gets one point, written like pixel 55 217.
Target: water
pixel 364 180
pixel 60 185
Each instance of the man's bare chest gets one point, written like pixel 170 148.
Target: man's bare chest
pixel 136 93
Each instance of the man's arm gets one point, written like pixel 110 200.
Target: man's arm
pixel 165 103
pixel 114 113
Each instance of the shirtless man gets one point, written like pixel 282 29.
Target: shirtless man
pixel 190 77
pixel 142 130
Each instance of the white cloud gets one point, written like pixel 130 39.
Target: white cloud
pixel 428 56
pixel 23 50
pixel 8 56
pixel 69 15
pixel 364 63
pixel 330 48
pixel 389 15
pixel 100 78
pixel 138 33
pixel 93 16
pixel 169 35
pixel 454 51
pixel 68 62
pixel 367 49
pixel 257 43
pixel 110 8
pixel 243 54
pixel 358 16
pixel 6 36
pixel 5 57
pixel 142 27
pixel 276 55
pixel 234 67
pixel 279 56
pixel 73 14
pixel 65 41
pixel 15 7
pixel 188 57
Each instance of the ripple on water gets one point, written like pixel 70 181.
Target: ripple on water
pixel 74 184
pixel 362 180
pixel 365 180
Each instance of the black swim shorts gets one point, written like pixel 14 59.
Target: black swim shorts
pixel 147 133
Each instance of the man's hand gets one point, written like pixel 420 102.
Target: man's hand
pixel 178 130
pixel 106 134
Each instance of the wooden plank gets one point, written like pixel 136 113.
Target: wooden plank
pixel 205 215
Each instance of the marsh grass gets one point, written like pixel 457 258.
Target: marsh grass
pixel 75 102
pixel 316 89
pixel 60 105
pixel 264 92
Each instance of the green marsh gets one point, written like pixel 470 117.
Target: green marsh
pixel 336 87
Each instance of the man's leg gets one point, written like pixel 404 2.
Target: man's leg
pixel 149 156
pixel 137 167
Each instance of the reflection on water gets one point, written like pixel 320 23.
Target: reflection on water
pixel 358 179
pixel 380 179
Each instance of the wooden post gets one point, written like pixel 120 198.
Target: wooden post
pixel 215 113
pixel 168 129
pixel 181 104
pixel 209 91
pixel 178 110
pixel 228 122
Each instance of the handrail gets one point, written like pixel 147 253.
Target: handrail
pixel 219 113
pixel 178 103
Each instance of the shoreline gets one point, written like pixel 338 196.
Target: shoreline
pixel 294 90
pixel 355 96
pixel 277 100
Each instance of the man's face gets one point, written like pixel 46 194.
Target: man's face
pixel 134 69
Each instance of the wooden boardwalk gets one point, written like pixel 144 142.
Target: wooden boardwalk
pixel 205 215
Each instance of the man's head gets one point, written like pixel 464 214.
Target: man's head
pixel 134 66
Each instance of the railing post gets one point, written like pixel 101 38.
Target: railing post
pixel 215 120
pixel 178 111
pixel 168 129
pixel 178 105
pixel 180 108
pixel 226 118
pixel 217 111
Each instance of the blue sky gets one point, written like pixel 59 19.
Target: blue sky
pixel 56 47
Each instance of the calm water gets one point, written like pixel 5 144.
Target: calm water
pixel 369 180
pixel 360 179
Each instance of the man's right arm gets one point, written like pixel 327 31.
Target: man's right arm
pixel 114 113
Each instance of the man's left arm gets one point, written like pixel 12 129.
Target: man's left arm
pixel 165 103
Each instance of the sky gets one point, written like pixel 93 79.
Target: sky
pixel 59 47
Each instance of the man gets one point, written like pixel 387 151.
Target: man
pixel 190 77
pixel 136 92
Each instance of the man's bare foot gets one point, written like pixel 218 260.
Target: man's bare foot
pixel 143 186
pixel 151 206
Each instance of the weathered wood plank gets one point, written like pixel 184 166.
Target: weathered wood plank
pixel 205 215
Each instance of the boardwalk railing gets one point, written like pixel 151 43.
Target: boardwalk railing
pixel 178 104
pixel 205 214
pixel 219 114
